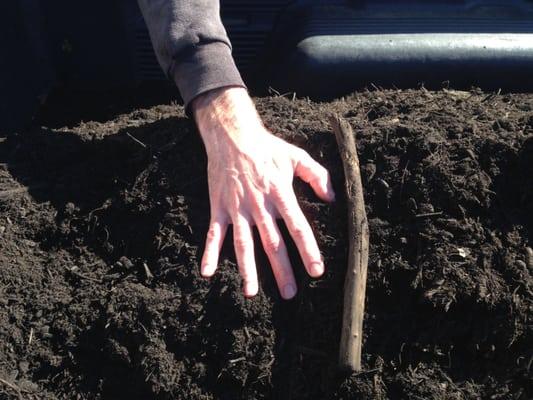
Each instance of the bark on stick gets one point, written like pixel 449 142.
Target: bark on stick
pixel 355 281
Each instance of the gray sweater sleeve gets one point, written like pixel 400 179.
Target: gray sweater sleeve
pixel 191 44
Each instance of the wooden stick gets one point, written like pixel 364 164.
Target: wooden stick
pixel 12 386
pixel 355 281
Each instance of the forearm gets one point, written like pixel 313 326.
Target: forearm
pixel 191 45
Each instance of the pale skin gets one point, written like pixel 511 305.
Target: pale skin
pixel 250 175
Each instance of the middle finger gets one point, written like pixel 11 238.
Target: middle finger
pixel 276 251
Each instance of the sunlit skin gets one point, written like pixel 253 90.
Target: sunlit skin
pixel 250 175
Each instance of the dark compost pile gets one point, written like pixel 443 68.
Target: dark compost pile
pixel 102 225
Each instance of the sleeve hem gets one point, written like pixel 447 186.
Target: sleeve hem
pixel 207 67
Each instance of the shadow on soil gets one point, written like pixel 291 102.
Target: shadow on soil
pixel 127 194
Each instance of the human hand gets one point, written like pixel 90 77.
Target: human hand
pixel 250 174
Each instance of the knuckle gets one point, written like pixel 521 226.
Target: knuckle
pixel 277 191
pixel 284 208
pixel 298 232
pixel 282 202
pixel 272 244
pixel 241 244
pixel 212 235
pixel 256 207
pixel 262 225
pixel 264 219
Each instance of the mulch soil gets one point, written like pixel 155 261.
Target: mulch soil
pixel 102 225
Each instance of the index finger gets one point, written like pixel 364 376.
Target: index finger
pixel 313 173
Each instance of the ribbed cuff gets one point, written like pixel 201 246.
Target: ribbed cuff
pixel 207 67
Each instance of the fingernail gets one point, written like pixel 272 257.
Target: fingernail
pixel 250 289
pixel 316 269
pixel 289 291
pixel 207 271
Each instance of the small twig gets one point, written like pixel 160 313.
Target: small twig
pixel 431 214
pixel 400 354
pixel 9 384
pixel 404 173
pixel 286 94
pixel 147 272
pixel 236 360
pixel 136 140
pixel 30 339
pixel 369 371
pixel 374 86
pixel 491 96
pixel 144 328
pixel 13 386
pixel 82 276
pixel 272 90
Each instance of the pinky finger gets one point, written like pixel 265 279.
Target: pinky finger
pixel 213 243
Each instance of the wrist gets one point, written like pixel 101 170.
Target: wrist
pixel 225 113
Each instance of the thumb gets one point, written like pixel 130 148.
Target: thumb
pixel 307 169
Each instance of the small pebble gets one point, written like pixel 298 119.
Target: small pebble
pixel 2 229
pixel 125 262
pixel 70 208
pixel 460 254
pixel 24 366
pixel 147 272
pixel 471 154
pixel 28 386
